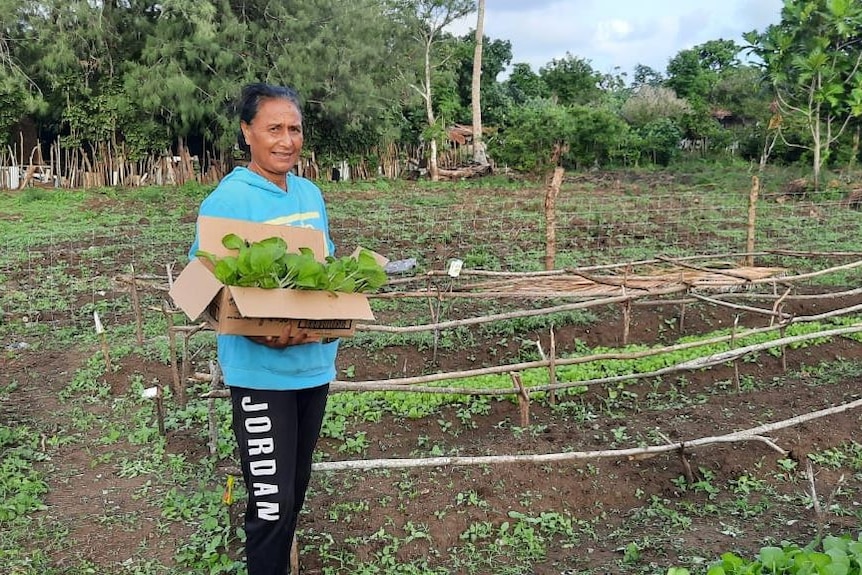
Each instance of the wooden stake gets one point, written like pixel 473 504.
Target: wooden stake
pixel 752 219
pixel 136 306
pixel 778 308
pixel 523 399
pixel 160 411
pixel 184 373
pixel 551 217
pixel 215 375
pixel 169 268
pixel 627 320
pixel 782 331
pixel 155 393
pixel 552 394
pixel 686 466
pixel 435 318
pixel 100 331
pixel 552 367
pixel 172 345
pixel 735 361
pixel 294 555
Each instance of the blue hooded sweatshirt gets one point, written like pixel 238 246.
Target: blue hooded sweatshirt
pixel 245 195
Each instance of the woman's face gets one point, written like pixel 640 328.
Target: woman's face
pixel 275 139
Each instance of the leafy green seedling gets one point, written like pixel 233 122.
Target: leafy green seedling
pixel 267 264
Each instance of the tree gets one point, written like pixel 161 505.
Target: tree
pixel 694 73
pixel 660 140
pixel 812 59
pixel 523 84
pixel 718 56
pixel 572 80
pixel 688 78
pixel 652 103
pixel 542 134
pixel 646 76
pixel 742 91
pixel 496 56
pixel 342 58
pixel 479 155
pixel 426 20
pixel 19 93
pixel 538 131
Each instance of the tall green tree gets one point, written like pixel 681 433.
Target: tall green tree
pixel 693 73
pixel 572 80
pixel 76 55
pixel 342 58
pixel 339 58
pixel 813 60
pixel 543 133
pixel 646 76
pixel 496 56
pixel 184 72
pixel 426 20
pixel 523 84
pixel 19 92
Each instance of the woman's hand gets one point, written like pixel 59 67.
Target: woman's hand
pixel 289 336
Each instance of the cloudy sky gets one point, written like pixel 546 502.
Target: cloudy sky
pixel 623 33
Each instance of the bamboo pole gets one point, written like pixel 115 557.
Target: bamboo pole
pixel 753 434
pixel 412 384
pixel 773 314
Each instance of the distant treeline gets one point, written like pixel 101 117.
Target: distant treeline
pixel 117 91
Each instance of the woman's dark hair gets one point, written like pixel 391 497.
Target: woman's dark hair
pixel 253 94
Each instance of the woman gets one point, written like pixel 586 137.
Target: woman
pixel 278 385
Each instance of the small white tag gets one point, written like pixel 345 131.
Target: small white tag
pixel 455 268
pixel 99 328
pixel 150 393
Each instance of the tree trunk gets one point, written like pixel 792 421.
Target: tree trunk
pixel 817 133
pixel 852 163
pixel 433 170
pixel 479 155
pixel 429 112
pixel 817 155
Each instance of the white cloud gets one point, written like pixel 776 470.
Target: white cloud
pixel 612 31
pixel 619 33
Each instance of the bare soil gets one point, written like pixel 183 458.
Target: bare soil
pixel 109 517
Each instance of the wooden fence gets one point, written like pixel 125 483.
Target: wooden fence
pixel 50 165
pixel 686 284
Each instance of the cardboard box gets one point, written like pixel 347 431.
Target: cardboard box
pixel 256 311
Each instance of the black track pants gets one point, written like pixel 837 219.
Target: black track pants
pixel 276 432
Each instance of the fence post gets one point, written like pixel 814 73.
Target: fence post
pixel 752 219
pixel 551 218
